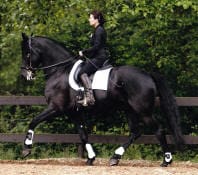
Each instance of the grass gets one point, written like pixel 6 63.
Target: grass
pixel 137 152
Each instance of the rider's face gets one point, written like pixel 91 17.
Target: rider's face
pixel 92 21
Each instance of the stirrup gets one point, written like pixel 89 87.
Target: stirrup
pixel 83 102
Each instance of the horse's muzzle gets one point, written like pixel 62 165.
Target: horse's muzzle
pixel 27 74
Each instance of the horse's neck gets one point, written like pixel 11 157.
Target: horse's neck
pixel 52 53
pixel 53 58
pixel 58 66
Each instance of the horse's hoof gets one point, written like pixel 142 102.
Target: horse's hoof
pixel 165 164
pixel 90 161
pixel 113 162
pixel 26 152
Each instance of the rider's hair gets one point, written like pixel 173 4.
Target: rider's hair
pixel 98 15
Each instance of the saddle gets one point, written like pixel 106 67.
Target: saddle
pixel 99 78
pixel 105 66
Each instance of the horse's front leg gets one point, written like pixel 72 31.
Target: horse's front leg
pixel 84 138
pixel 45 115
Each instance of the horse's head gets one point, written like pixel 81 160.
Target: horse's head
pixel 30 56
pixel 42 53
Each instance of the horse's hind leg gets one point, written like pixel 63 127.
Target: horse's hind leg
pixel 46 114
pixel 160 134
pixel 134 134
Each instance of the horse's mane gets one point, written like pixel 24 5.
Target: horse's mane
pixel 60 43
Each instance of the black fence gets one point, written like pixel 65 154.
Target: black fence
pixel 74 138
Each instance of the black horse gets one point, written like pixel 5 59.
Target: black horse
pixel 129 89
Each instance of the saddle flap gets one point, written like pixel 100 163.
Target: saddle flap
pixel 100 78
pixel 73 76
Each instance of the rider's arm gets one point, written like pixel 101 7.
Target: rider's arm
pixel 100 35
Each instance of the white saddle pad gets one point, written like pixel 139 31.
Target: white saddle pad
pixel 100 78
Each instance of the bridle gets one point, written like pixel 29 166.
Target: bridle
pixel 28 57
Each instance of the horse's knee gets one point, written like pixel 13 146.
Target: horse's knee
pixel 160 132
pixel 83 134
pixel 34 123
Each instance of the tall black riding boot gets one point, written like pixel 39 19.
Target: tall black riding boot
pixel 88 97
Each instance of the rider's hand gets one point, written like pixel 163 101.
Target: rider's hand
pixel 80 53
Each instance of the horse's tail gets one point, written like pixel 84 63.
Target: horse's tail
pixel 169 107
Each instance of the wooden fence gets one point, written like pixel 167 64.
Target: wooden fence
pixel 74 138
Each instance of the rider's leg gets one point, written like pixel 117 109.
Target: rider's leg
pixel 88 98
pixel 89 68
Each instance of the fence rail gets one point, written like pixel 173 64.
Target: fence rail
pixel 74 138
pixel 107 139
pixel 40 100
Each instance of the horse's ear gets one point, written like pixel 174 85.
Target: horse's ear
pixel 24 36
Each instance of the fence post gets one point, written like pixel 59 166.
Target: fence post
pixel 81 151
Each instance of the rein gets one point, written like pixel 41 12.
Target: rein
pixel 51 66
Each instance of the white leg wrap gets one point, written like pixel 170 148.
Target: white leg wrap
pixel 29 140
pixel 168 157
pixel 90 151
pixel 120 151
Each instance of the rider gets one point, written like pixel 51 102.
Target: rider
pixel 96 52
